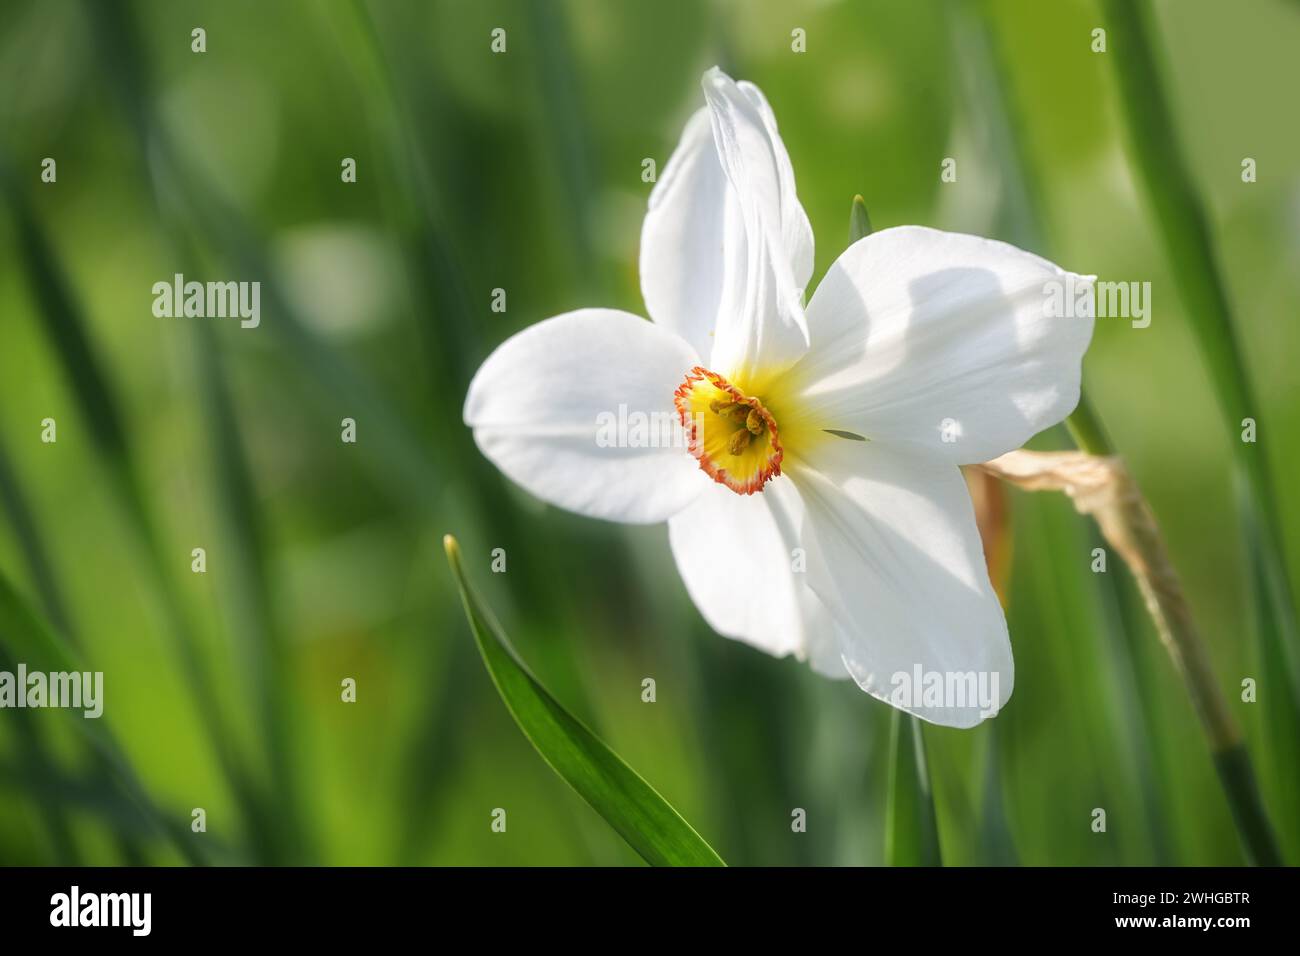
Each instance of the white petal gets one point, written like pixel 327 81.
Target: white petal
pixel 767 240
pixel 546 403
pixel 726 248
pixel 944 342
pixel 683 245
pixel 895 555
pixel 735 555
pixel 822 634
pixel 796 231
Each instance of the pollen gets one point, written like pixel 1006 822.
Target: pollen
pixel 732 434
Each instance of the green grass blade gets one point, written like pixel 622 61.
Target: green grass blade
pixel 563 133
pixel 13 505
pixel 1280 711
pixel 1184 227
pixel 65 324
pixel 631 806
pixel 402 462
pixel 911 834
pixel 121 813
pixel 1183 224
pixel 269 666
pixel 997 845
pixel 27 637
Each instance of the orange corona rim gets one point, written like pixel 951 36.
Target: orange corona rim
pixel 732 434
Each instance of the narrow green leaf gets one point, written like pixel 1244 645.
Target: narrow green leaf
pixel 1182 221
pixel 631 806
pixel 911 834
pixel 268 662
pixel 1280 711
pixel 859 221
pixel 563 133
pixel 997 845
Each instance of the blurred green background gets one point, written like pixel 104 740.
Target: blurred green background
pixel 522 171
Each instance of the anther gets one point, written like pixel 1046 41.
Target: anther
pixel 733 436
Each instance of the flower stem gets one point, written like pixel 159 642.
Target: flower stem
pixel 1186 234
pixel 1102 486
pixel 1182 222
pixel 1086 429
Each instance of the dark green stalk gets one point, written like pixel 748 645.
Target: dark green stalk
pixel 1183 225
pixel 1169 610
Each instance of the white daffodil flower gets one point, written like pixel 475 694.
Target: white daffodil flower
pixel 811 486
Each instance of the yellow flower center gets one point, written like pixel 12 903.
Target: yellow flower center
pixel 732 434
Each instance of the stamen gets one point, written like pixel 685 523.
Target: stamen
pixel 735 411
pixel 733 435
